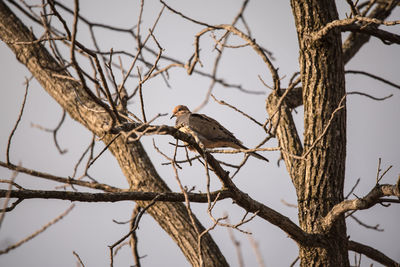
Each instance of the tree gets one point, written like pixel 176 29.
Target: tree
pixel 316 163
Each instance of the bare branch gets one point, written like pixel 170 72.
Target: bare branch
pixel 356 40
pixel 185 17
pixel 7 196
pixel 375 227
pixel 54 132
pixel 354 9
pixel 372 198
pixel 372 253
pixel 133 241
pixel 133 228
pixel 113 196
pixel 21 242
pixel 60 179
pixel 352 189
pixel 386 37
pixel 370 96
pixel 78 258
pixel 347 22
pixel 236 109
pixel 251 42
pixel 257 251
pixel 236 244
pixel 373 76
pixel 18 120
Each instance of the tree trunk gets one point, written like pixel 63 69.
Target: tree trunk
pixel 132 158
pixel 319 182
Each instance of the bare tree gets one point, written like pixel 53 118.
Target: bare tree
pixel 90 85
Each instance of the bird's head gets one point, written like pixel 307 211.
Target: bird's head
pixel 179 111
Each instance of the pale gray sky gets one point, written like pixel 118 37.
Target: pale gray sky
pixel 373 130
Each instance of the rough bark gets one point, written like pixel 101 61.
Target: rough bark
pixel 132 158
pixel 319 183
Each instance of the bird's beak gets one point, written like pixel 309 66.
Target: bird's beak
pixel 173 115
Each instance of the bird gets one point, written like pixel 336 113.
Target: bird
pixel 206 130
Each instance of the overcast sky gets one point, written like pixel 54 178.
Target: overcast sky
pixel 373 132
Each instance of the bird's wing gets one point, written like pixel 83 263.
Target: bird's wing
pixel 211 132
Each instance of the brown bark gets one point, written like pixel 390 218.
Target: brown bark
pixel 319 180
pixel 132 158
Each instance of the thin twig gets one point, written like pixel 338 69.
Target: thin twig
pixel 373 76
pixel 78 258
pixel 257 251
pixel 135 226
pixel 55 220
pixel 236 109
pixel 141 96
pixel 11 184
pixel 18 120
pixel 375 227
pixel 133 241
pixel 103 150
pixel 370 96
pixel 236 244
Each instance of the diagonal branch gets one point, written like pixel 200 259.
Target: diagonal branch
pixel 284 128
pixel 356 40
pixel 248 39
pixel 349 24
pixel 242 199
pixel 41 230
pixel 372 198
pixel 372 253
pixel 132 158
pixel 385 36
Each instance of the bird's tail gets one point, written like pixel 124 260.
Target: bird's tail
pixel 256 155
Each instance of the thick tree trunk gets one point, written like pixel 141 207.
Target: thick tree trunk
pixel 319 182
pixel 133 160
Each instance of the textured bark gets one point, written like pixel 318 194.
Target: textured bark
pixel 132 158
pixel 320 179
pixel 285 130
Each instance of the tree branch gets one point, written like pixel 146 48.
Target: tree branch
pixel 60 179
pixel 242 199
pixel 112 196
pixel 385 36
pixel 349 24
pixel 372 198
pixel 356 40
pixel 132 158
pixel 283 126
pixel 372 253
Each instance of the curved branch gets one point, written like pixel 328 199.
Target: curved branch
pixel 132 158
pixel 372 198
pixel 372 253
pixel 248 39
pixel 242 199
pixel 373 77
pixel 356 40
pixel 385 36
pixel 347 24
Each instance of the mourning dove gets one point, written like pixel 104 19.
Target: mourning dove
pixel 206 130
